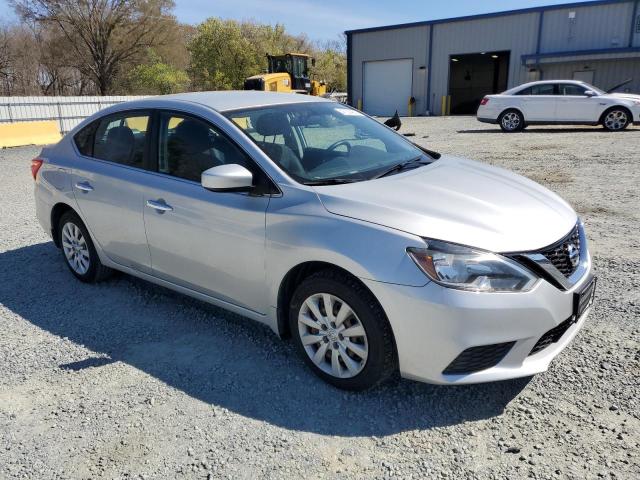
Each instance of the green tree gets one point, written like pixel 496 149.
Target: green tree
pixel 221 56
pixel 157 77
pixel 331 66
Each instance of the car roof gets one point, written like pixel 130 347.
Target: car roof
pixel 239 99
pixel 544 82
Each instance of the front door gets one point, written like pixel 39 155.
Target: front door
pixel 210 242
pixel 574 105
pixel 539 103
pixel 107 184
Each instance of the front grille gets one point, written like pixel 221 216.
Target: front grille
pixel 559 253
pixel 479 358
pixel 552 336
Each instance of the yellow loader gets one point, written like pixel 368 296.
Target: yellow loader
pixel 288 73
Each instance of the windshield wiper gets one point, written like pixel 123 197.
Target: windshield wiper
pixel 330 181
pixel 419 161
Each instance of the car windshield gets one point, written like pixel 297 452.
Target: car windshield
pixel 326 142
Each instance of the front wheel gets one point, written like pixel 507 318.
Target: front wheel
pixel 616 119
pixel 511 121
pixel 341 331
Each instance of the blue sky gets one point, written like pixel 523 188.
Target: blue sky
pixel 325 19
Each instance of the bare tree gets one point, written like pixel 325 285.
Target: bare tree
pixel 104 35
pixel 5 58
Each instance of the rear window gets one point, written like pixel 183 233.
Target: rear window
pixel 84 139
pixel 119 138
pixel 543 89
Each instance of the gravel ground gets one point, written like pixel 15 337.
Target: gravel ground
pixel 128 380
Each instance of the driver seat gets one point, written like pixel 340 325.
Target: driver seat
pixel 270 125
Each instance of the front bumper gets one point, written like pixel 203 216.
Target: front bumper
pixel 432 325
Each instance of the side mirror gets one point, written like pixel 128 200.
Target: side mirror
pixel 313 62
pixel 590 93
pixel 227 178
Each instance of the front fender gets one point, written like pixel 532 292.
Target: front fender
pixel 299 229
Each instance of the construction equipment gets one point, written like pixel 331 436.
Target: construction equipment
pixel 287 73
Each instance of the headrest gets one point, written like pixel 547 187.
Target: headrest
pixel 270 124
pixel 193 135
pixel 122 135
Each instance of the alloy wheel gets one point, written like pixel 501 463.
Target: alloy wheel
pixel 75 248
pixel 332 335
pixel 511 121
pixel 616 120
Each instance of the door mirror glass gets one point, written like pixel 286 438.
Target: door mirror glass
pixel 230 177
pixel 590 93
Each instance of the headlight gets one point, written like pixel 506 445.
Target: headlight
pixel 465 268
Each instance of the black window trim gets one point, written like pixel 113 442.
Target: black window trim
pixel 272 189
pixel 139 112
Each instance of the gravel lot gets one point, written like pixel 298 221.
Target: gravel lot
pixel 128 380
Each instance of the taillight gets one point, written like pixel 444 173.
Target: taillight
pixel 484 101
pixel 36 163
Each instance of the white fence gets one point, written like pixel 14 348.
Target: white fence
pixel 67 111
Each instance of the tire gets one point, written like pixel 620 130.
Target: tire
pixel 78 250
pixel 616 119
pixel 363 361
pixel 511 121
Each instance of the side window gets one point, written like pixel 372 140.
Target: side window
pixel 526 91
pixel 121 139
pixel 84 139
pixel 188 146
pixel 544 89
pixel 571 89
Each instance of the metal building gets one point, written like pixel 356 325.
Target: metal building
pixel 447 66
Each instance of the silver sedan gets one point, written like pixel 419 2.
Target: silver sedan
pixel 374 254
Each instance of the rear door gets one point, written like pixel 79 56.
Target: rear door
pixel 539 102
pixel 107 183
pixel 574 105
pixel 210 242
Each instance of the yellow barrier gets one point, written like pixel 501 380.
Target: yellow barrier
pixel 445 107
pixel 29 133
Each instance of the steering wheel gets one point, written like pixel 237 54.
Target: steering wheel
pixel 339 143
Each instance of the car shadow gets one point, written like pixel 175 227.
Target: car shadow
pixel 219 358
pixel 548 130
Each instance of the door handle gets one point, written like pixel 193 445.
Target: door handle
pixel 159 205
pixel 84 186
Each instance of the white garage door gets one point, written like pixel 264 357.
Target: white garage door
pixel 387 87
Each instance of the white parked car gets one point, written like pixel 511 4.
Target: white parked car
pixel 566 102
pixel 374 254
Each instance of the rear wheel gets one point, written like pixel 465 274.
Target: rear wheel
pixel 341 331
pixel 616 119
pixel 511 121
pixel 78 250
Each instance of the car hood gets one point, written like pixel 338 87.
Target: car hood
pixel 625 96
pixel 459 201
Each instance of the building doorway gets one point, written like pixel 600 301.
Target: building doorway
pixel 472 76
